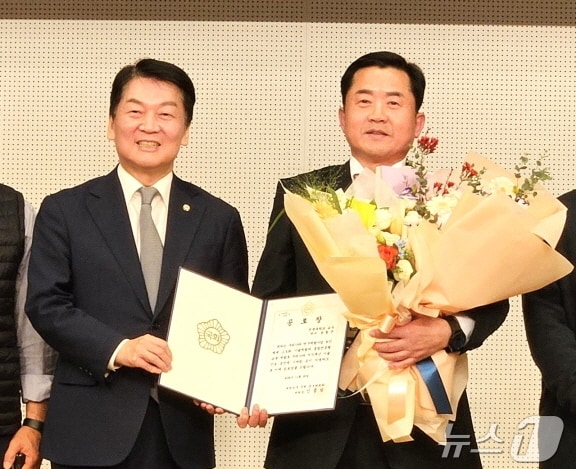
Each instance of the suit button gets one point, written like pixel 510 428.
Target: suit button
pixel 155 325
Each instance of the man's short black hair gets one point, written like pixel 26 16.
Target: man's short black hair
pixel 156 70
pixel 386 59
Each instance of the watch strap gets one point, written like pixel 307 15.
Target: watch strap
pixel 457 340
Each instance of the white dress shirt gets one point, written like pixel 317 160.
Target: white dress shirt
pixel 130 188
pixel 37 359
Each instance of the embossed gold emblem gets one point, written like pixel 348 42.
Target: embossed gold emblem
pixel 308 308
pixel 212 336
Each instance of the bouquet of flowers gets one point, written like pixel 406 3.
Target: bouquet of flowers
pixel 402 242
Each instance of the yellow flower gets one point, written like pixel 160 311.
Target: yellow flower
pixel 324 209
pixel 366 210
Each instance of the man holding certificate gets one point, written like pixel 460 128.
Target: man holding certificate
pixel 103 270
pixel 380 117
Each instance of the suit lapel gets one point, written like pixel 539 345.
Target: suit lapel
pixel 105 202
pixel 344 176
pixel 184 217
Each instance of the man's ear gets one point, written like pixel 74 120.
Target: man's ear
pixel 110 130
pixel 341 116
pixel 186 137
pixel 420 122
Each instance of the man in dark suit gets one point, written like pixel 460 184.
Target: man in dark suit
pixel 89 300
pixel 550 319
pixel 380 118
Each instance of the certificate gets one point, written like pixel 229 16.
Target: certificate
pixel 233 350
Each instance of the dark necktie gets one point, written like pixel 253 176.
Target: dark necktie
pixel 150 245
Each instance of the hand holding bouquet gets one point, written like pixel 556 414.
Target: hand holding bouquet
pixel 403 242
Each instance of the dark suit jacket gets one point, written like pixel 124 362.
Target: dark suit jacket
pixel 316 440
pixel 87 293
pixel 550 319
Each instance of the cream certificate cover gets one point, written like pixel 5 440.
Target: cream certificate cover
pixel 232 350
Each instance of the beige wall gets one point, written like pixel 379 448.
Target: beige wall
pixel 500 80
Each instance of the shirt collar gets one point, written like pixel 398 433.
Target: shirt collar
pixel 356 167
pixel 130 185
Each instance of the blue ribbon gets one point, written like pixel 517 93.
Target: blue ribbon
pixel 433 382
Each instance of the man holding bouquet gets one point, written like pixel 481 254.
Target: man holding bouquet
pixel 380 117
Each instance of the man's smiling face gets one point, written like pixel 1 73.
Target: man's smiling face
pixel 148 128
pixel 379 117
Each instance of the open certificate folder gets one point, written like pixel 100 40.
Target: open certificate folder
pixel 232 350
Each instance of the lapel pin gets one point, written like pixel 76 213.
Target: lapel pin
pixel 186 207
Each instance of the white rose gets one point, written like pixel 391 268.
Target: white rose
pixel 412 218
pixel 403 270
pixel 390 238
pixel 383 218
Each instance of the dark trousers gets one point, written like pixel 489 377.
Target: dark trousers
pixel 362 452
pixel 150 450
pixel 365 450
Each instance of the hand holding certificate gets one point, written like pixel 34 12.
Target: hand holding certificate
pixel 233 350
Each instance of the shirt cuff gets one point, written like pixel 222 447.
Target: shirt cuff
pixel 111 365
pixel 466 324
pixel 36 388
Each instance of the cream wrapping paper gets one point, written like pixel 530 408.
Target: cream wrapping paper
pixel 484 253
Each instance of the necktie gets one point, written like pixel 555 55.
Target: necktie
pixel 150 245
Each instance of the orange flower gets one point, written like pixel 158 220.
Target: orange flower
pixel 389 254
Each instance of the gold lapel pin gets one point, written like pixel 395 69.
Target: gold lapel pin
pixel 186 207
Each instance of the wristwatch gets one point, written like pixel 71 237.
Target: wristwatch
pixel 457 338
